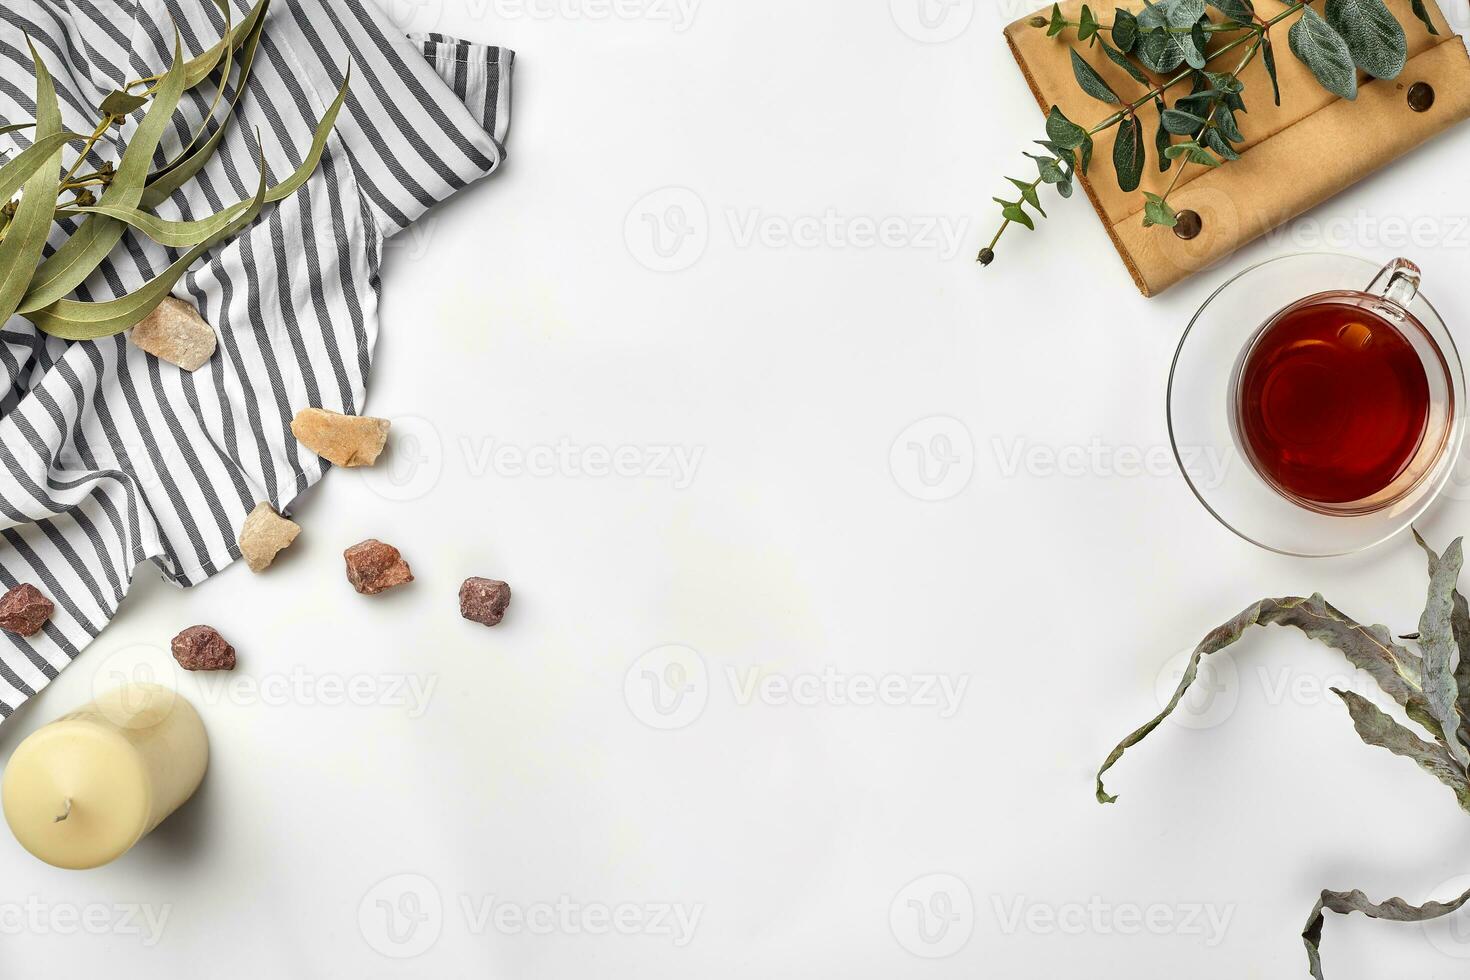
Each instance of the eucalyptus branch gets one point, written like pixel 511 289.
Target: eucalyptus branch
pixel 36 189
pixel 1170 40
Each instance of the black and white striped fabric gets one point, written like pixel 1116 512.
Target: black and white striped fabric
pixel 110 457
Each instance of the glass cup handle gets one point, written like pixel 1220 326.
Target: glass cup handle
pixel 1397 282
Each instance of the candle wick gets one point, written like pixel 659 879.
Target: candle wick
pixel 65 812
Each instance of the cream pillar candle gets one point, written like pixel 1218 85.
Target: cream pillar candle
pixel 83 790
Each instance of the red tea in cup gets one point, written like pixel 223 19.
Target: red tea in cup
pixel 1335 399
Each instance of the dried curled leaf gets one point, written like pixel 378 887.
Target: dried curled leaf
pixel 1378 729
pixel 1345 903
pixel 1398 671
pixel 1437 641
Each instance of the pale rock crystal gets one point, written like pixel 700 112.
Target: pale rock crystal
pixel 264 536
pixel 175 332
pixel 346 440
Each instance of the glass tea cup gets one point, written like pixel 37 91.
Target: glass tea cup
pixel 1274 403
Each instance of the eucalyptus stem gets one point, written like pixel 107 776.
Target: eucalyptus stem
pixel 1255 36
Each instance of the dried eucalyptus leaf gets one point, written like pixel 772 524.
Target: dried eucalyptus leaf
pixel 1373 35
pixel 1377 728
pixel 219 93
pixel 16 172
pixel 71 264
pixel 161 187
pixel 1345 903
pixel 1128 154
pixel 74 320
pixel 1442 631
pixel 121 103
pixel 1318 46
pixel 1090 81
pixel 26 236
pixel 15 128
pixel 1399 672
pixel 1437 641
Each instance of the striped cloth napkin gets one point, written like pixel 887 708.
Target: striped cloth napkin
pixel 110 457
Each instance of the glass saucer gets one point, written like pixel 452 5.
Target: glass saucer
pixel 1201 407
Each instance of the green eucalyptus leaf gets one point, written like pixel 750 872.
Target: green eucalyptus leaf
pixel 1344 903
pixel 74 320
pixel 1014 212
pixel 1084 155
pixel 1372 34
pixel 1236 11
pixel 1268 56
pixel 1028 194
pixel 1226 124
pixel 1318 46
pixel 1050 172
pixel 1398 671
pixel 1182 123
pixel 1422 12
pixel 1220 144
pixel 1124 62
pixel 1086 24
pixel 1184 13
pixel 1058 22
pixel 1062 131
pixel 1064 187
pixel 26 235
pixel 1125 29
pixel 121 103
pixel 1437 643
pixel 71 264
pixel 1195 44
pixel 1159 50
pixel 1128 154
pixel 1161 138
pixel 1090 81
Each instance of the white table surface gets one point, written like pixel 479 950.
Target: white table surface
pixel 510 786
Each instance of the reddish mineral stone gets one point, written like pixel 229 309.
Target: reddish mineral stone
pixel 202 648
pixel 373 566
pixel 24 610
pixel 483 600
